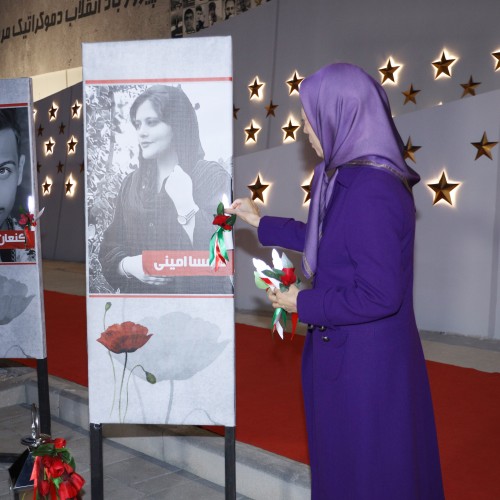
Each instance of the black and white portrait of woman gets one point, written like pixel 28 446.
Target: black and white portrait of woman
pixel 150 186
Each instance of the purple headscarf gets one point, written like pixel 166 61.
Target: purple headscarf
pixel 350 114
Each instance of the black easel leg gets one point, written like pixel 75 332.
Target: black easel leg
pixel 230 456
pixel 43 395
pixel 96 463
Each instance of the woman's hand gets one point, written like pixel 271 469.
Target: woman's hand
pixel 179 186
pixel 246 210
pixel 132 267
pixel 286 300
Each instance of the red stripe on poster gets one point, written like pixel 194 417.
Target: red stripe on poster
pixel 160 80
pixel 14 105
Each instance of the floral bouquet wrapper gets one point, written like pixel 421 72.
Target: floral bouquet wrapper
pixel 280 276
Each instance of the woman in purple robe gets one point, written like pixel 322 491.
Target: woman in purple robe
pixel 369 414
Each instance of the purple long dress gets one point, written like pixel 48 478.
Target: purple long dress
pixel 368 407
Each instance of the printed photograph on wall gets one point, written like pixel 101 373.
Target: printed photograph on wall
pixel 156 173
pixel 22 333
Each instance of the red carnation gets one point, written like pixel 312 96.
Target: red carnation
pixel 69 489
pixel 59 443
pixel 126 337
pixel 54 466
pixel 288 277
pixel 221 220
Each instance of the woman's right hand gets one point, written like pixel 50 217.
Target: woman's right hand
pixel 246 210
pixel 132 267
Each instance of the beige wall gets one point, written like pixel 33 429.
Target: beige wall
pixel 46 48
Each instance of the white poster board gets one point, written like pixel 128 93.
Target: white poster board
pixel 22 328
pixel 158 127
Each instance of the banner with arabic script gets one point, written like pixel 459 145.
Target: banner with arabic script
pixel 158 133
pixel 22 330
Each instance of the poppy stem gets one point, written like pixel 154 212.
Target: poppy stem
pixel 170 400
pixel 121 388
pixel 114 382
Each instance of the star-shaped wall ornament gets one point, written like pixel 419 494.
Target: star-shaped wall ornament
pixel 252 132
pixel 443 66
pixel 257 189
pixel 40 130
pixel 46 187
pixel 410 95
pixel 294 83
pixel 470 87
pixel 62 128
pixel 388 72
pixel 484 147
pixel 496 55
pixel 290 130
pixel 72 144
pixel 271 109
pixel 60 167
pixel 410 150
pixel 69 186
pixel 75 110
pixel 307 189
pixel 442 189
pixel 53 112
pixel 49 146
pixel 255 88
pixel 235 112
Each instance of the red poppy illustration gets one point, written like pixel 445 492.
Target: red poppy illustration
pixel 124 337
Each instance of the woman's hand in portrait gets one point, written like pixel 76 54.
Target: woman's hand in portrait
pixel 179 186
pixel 286 300
pixel 131 267
pixel 245 209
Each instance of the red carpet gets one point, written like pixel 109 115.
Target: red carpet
pixel 269 401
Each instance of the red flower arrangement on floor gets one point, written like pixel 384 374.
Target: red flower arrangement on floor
pixel 53 474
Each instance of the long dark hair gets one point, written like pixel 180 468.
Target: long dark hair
pixel 173 107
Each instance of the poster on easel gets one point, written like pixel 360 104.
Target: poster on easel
pixel 160 317
pixel 22 330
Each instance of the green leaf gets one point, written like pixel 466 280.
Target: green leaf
pixel 44 449
pixel 231 220
pixel 283 288
pixel 220 208
pixel 271 274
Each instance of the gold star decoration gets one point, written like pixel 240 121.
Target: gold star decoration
pixel 46 187
pixel 410 95
pixel 251 133
pixel 40 130
pixel 49 146
pixel 443 66
pixel 255 88
pixel 235 112
pixel 442 189
pixel 38 167
pixel 470 87
pixel 53 112
pixel 72 144
pixel 60 167
pixel 307 189
pixel 257 189
pixel 484 147
pixel 62 127
pixel 271 108
pixel 410 150
pixel 289 130
pixel 294 83
pixel 75 110
pixel 388 71
pixel 496 55
pixel 69 185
